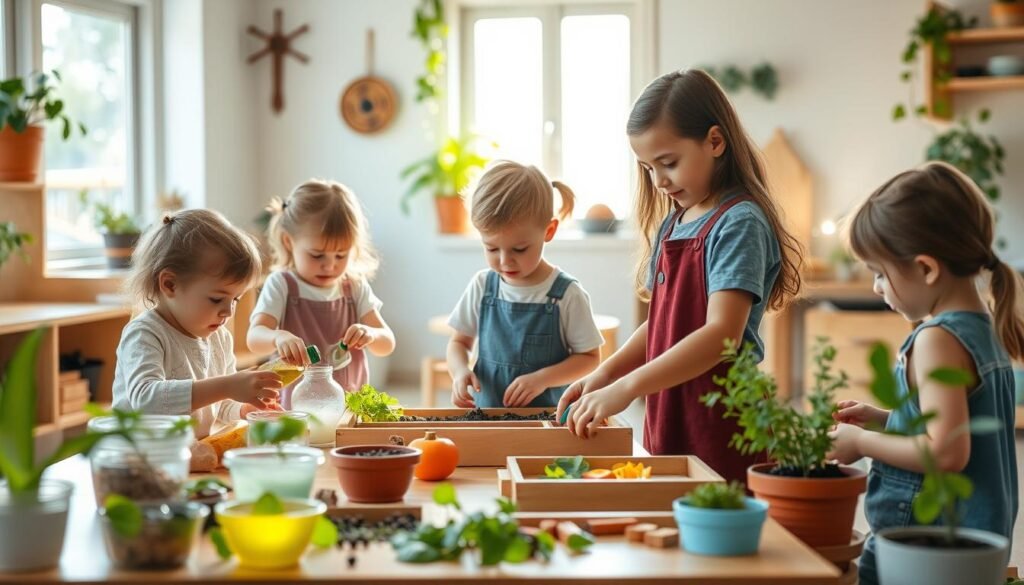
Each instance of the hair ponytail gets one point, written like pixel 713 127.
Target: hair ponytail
pixel 1006 297
pixel 568 199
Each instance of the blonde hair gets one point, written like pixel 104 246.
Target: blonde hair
pixel 691 102
pixel 329 209
pixel 936 210
pixel 510 193
pixel 179 243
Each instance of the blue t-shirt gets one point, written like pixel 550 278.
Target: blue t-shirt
pixel 741 252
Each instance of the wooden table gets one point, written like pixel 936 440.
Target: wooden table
pixel 782 558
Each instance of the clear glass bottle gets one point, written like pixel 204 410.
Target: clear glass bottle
pixel 291 372
pixel 319 395
pixel 154 469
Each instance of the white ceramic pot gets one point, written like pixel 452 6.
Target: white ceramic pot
pixel 902 563
pixel 32 526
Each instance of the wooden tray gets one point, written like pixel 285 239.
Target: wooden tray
pixel 673 476
pixel 375 512
pixel 490 443
pixel 662 519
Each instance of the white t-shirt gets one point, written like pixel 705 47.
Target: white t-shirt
pixel 274 296
pixel 576 319
pixel 156 365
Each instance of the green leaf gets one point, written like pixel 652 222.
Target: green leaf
pixel 220 543
pixel 325 533
pixel 196 486
pixel 567 468
pixel 955 377
pixel 927 507
pixel 518 550
pixel 545 544
pixel 899 112
pixel 267 505
pixel 555 472
pixel 125 515
pixel 444 495
pixel 984 114
pixel 18 414
pixel 580 542
pixel 506 506
pixel 960 485
pixel 418 552
pixel 883 383
pixel 985 424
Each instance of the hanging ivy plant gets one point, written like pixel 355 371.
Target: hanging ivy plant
pixel 931 29
pixel 431 30
pixel 763 79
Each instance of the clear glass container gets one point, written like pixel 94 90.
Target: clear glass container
pixel 287 471
pixel 320 396
pixel 154 469
pixel 270 417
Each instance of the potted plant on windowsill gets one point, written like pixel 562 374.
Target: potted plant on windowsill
pixel 22 114
pixel 33 510
pixel 120 232
pixel 814 499
pixel 946 554
pixel 447 173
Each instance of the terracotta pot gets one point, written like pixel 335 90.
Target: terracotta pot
pixel 20 153
pixel 818 511
pixel 1007 14
pixel 377 479
pixel 119 249
pixel 842 556
pixel 452 217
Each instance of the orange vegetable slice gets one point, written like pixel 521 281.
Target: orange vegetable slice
pixel 598 474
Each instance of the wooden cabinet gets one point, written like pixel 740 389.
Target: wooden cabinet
pixel 853 333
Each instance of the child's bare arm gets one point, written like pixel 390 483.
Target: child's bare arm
pixel 464 382
pixel 264 337
pixel 371 333
pixel 525 388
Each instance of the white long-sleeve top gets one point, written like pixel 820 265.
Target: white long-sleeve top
pixel 156 365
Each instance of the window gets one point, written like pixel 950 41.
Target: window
pixel 92 43
pixel 552 86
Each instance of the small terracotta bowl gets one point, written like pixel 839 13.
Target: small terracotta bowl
pixel 374 479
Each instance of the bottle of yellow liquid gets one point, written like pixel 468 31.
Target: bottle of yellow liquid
pixel 291 372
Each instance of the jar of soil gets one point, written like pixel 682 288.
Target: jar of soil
pixel 163 540
pixel 153 469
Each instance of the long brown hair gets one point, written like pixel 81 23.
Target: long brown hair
pixel 938 211
pixel 691 102
pixel 509 192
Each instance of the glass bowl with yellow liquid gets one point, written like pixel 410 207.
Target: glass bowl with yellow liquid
pixel 269 541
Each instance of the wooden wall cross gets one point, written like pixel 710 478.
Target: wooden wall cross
pixel 279 45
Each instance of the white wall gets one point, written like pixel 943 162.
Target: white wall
pixel 839 77
pixel 184 114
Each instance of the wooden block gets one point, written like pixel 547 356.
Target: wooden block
pixel 504 484
pixel 636 532
pixel 73 406
pixel 74 390
pixel 673 476
pixel 490 443
pixel 69 376
pixel 605 526
pixel 662 538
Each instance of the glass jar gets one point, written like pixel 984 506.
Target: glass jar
pixel 270 417
pixel 154 469
pixel 319 395
pixel 285 470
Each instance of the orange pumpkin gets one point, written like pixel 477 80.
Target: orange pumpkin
pixel 440 457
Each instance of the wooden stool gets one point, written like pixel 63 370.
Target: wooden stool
pixel 434 371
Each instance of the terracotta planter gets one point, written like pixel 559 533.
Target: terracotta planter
pixel 1007 14
pixel 842 556
pixel 20 153
pixel 377 479
pixel 119 249
pixel 818 511
pixel 452 217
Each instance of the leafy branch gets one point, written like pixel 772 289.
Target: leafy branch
pixel 20 108
pixel 932 29
pixel 431 30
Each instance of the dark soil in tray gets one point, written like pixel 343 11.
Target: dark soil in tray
pixel 478 415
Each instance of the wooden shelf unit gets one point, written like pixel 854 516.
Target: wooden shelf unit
pixel 91 329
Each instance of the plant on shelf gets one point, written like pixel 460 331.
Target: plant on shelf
pixel 22 113
pixel 762 79
pixel 797 443
pixel 932 30
pixel 446 173
pixel 370 405
pixel 120 231
pixel 11 242
pixel 940 494
pixel 979 157
pixel 26 499
pixel 430 29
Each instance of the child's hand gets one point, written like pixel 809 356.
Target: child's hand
pixel 291 348
pixel 256 387
pixel 247 408
pixel 463 386
pixel 358 336
pixel 845 443
pixel 594 381
pixel 591 410
pixel 523 390
pixel 860 414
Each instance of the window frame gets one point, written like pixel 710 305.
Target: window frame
pixel 643 42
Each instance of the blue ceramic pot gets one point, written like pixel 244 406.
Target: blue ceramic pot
pixel 720 533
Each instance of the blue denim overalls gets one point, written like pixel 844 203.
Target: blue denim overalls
pixel 992 466
pixel 516 339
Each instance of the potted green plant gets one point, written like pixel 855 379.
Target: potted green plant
pixel 22 114
pixel 979 157
pixel 814 499
pixel 843 264
pixel 120 231
pixel 447 173
pixel 718 519
pixel 938 555
pixel 33 510
pixel 932 29
pixel 1007 13
pixel 12 241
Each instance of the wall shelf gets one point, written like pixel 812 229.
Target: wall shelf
pixel 985 83
pixel 985 36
